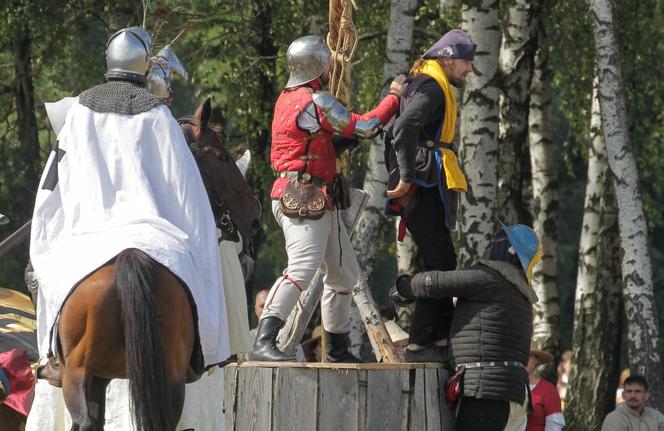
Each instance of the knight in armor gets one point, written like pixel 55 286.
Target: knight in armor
pixel 122 176
pixel 307 122
pixel 426 180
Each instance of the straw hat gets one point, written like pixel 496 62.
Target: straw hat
pixel 541 356
pixel 316 335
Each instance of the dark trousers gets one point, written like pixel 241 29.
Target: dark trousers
pixel 426 223
pixel 482 415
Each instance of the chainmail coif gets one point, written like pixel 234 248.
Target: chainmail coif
pixel 120 97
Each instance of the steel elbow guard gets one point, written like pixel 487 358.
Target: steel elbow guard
pixel 335 113
pixel 367 129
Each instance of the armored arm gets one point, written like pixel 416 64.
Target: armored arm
pixel 341 120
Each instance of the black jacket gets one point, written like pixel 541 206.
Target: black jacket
pixel 420 115
pixel 492 321
pixel 407 157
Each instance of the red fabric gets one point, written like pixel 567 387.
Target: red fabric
pixel 546 401
pixel 16 365
pixel 289 141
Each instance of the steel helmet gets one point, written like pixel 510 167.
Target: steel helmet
pixel 307 58
pixel 128 54
pixel 159 78
pixel 527 246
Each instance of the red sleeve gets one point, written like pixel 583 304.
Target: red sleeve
pixel 384 112
pixel 551 401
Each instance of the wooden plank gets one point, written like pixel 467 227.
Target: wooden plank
pixel 362 377
pixel 338 400
pixel 417 403
pixel 381 342
pixel 230 396
pixel 383 400
pixel 432 400
pixel 254 411
pixel 295 399
pixel 341 366
pixel 406 394
pixel 447 419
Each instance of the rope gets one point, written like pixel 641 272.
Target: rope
pixel 344 48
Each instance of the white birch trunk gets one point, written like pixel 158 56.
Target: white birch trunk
pixel 597 307
pixel 546 313
pixel 399 42
pixel 640 310
pixel 478 149
pixel 517 52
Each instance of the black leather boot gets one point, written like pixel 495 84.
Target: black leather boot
pixel 336 346
pixel 265 346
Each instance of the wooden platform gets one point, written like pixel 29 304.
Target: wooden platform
pixel 290 396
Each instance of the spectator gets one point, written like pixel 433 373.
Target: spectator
pixel 259 304
pixel 621 384
pixel 490 330
pixel 563 374
pixel 547 410
pixel 634 415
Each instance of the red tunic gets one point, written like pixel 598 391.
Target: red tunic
pixel 546 401
pixel 289 141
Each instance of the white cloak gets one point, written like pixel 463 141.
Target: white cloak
pixel 125 181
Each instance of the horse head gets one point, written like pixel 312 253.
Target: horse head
pixel 233 203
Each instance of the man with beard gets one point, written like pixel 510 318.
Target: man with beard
pixel 634 414
pixel 425 178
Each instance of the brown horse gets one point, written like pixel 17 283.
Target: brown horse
pixel 133 319
pixel 233 203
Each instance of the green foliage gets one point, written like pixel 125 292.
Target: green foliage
pixel 234 51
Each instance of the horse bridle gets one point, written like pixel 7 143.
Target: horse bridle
pixel 223 220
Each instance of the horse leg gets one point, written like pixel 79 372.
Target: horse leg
pixel 91 348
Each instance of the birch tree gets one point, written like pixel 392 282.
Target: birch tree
pixel 544 168
pixel 397 51
pixel 517 52
pixel 598 302
pixel 640 311
pixel 478 150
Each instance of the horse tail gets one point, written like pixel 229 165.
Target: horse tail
pixel 136 277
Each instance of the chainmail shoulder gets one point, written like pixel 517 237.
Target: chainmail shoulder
pixel 120 97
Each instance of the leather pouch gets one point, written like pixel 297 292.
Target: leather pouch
pixel 303 200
